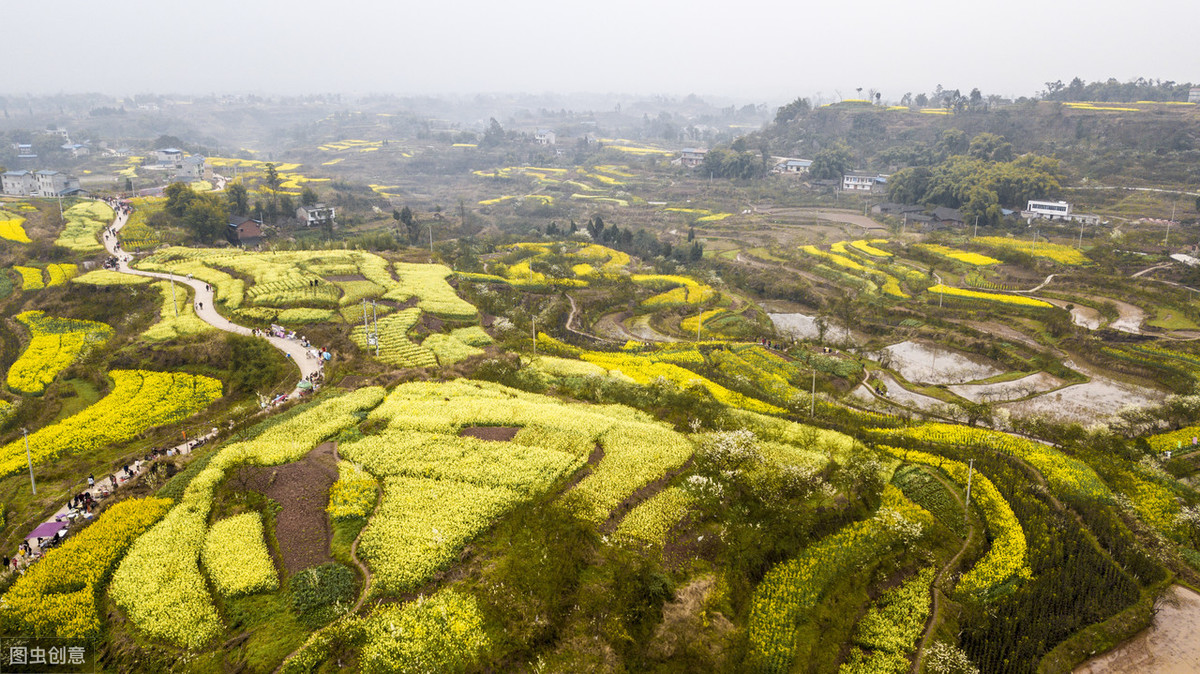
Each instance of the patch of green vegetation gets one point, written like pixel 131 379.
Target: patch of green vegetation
pixel 82 393
pixel 1170 318
pixel 323 593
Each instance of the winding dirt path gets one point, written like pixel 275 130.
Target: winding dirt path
pixel 1039 286
pixel 205 305
pixel 366 572
pixel 935 590
pixel 571 322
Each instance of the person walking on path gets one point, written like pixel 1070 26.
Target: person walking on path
pixel 91 481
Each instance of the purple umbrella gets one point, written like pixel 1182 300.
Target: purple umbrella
pixel 46 530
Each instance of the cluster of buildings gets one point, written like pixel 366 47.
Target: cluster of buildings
pixel 246 231
pixel 187 168
pixel 38 184
pixel 852 181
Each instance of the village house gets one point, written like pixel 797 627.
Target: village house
pixel 54 184
pixel 194 167
pixel 1056 210
pixel 168 156
pixel 244 231
pixel 317 214
pixel 18 183
pixel 950 217
pixel 860 181
pixel 791 166
pixel 25 151
pixel 691 157
pixel 77 150
pixel 545 137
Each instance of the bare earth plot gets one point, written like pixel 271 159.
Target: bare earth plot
pixel 1171 645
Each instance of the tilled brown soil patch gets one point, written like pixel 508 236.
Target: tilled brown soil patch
pixel 494 433
pixel 302 489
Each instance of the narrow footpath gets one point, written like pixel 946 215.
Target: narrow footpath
pixel 203 302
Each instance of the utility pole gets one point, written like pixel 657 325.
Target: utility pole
pixel 174 302
pixel 812 411
pixel 699 322
pixel 1167 238
pixel 976 235
pixel 533 329
pixel 375 327
pixel 372 335
pixel 29 458
pixel 431 240
pixel 970 474
pixel 1080 246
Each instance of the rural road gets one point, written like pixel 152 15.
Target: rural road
pixel 1170 645
pixel 204 304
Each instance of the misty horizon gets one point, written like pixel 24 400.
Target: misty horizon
pixel 761 51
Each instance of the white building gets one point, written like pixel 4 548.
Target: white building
pixel 53 183
pixel 194 167
pixel 25 151
pixel 168 156
pixel 1048 209
pixel 1194 95
pixel 1056 210
pixel 545 137
pixel 692 157
pixel 77 150
pixel 18 183
pixel 788 165
pixel 859 181
pixel 317 214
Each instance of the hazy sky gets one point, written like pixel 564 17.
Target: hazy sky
pixel 759 50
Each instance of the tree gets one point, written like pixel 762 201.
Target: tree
pixel 953 141
pixel 238 197
pixel 794 110
pixel 287 208
pixel 595 227
pixel 990 147
pixel 981 203
pixel 410 224
pixel 308 197
pixel 723 163
pixel 206 218
pixel 908 185
pixel 179 197
pixel 494 134
pixel 165 141
pixel 921 100
pixel 253 364
pixel 272 182
pixel 976 99
pixel 831 163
